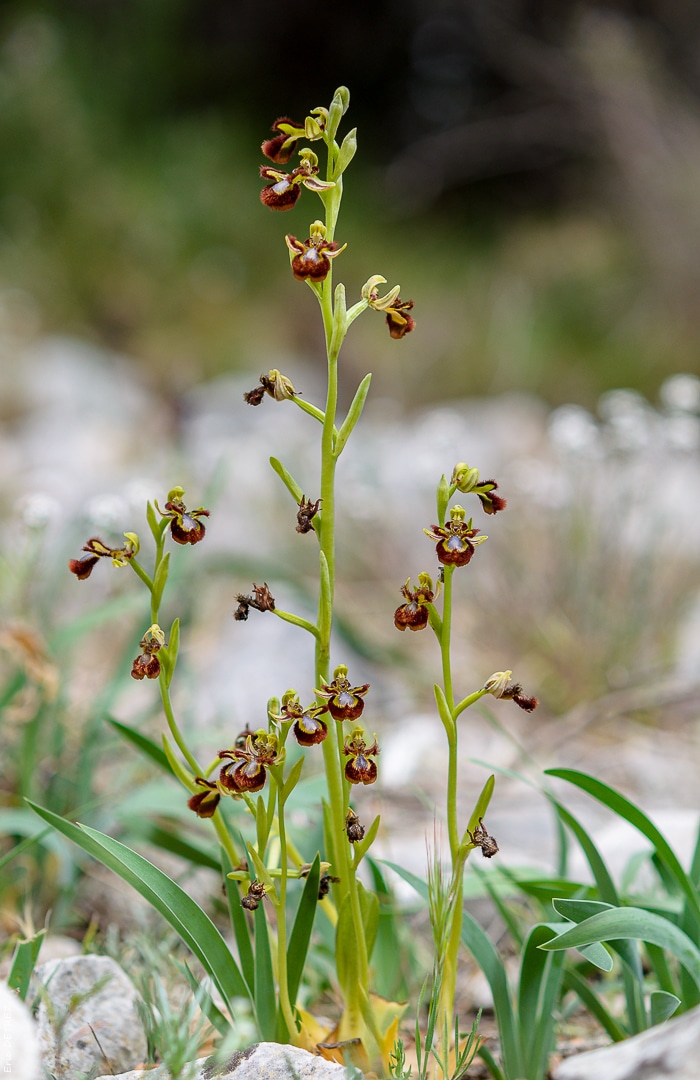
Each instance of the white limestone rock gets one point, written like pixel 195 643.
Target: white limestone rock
pixel 19 1045
pixel 670 1051
pixel 262 1061
pixel 87 1019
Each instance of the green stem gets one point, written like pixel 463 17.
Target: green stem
pixel 174 729
pixel 296 620
pixel 140 572
pixel 225 838
pixel 285 1003
pixel 467 701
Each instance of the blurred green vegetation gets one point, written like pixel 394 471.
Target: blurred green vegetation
pixel 129 214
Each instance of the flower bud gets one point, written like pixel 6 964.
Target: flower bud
pixel 463 477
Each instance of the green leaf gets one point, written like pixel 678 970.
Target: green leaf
pixel 292 779
pixel 24 962
pixel 442 495
pixel 262 874
pixel 633 924
pixel 153 521
pixel 168 654
pixel 348 149
pixel 369 907
pixel 363 846
pixel 160 580
pixel 662 1006
pixel 287 479
pixel 444 710
pixel 537 999
pixel 577 910
pixel 479 811
pixel 353 415
pixel 627 810
pixel 339 324
pixel 192 924
pixel 301 932
pixel 143 743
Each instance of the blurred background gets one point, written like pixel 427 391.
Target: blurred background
pixel 529 171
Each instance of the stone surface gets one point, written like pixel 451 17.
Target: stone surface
pixel 670 1051
pixel 88 1019
pixel 262 1061
pixel 19 1045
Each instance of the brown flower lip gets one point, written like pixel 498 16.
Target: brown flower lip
pixel 398 320
pixel 205 802
pixel 282 147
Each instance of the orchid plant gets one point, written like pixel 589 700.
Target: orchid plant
pixel 251 775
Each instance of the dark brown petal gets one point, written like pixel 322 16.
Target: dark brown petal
pixel 275 150
pixel 82 568
pixel 246 776
pixel 204 803
pixel 348 710
pixel 529 704
pixel 280 200
pixel 308 731
pixel 454 556
pixel 413 615
pixel 361 770
pixel 187 530
pixel 145 666
pixel 310 265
